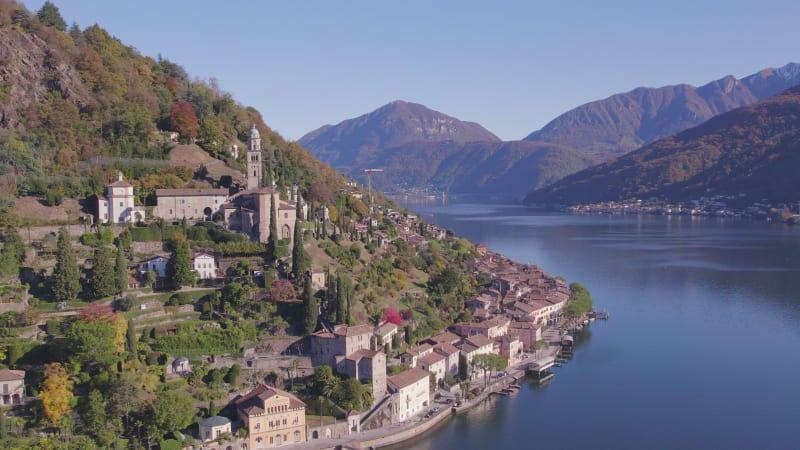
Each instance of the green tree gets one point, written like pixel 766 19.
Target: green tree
pixel 50 16
pixel 94 413
pixel 13 252
pixel 580 301
pixel 131 340
pixel 310 308
pixel 300 259
pixel 172 411
pixel 93 345
pixel 179 270
pixel 489 362
pixel 463 367
pixel 272 240
pixel 66 275
pixel 121 269
pixel 101 280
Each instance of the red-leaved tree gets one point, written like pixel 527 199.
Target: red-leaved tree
pixel 183 119
pixel 392 315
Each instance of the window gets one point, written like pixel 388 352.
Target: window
pixel 258 425
pixel 297 436
pixel 121 204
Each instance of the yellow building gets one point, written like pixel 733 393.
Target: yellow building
pixel 272 417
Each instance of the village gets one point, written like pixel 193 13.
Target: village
pixel 409 380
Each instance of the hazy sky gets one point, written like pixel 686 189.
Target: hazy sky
pixel 510 66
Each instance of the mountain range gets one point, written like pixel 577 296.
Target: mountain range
pixel 751 152
pixel 419 147
pixel 624 122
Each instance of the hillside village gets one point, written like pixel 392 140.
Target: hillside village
pixel 262 384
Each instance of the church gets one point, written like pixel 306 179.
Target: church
pixel 246 211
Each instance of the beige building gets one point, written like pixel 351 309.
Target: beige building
pixel 411 390
pixel 201 204
pixel 492 328
pixel 12 383
pixel 273 417
pixel 510 348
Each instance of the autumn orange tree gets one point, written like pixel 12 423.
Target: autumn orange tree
pixel 183 119
pixel 56 392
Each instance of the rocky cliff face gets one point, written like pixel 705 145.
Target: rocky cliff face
pixel 28 71
pixel 624 122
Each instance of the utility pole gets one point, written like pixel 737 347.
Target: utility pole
pixel 369 184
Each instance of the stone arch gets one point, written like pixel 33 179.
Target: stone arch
pixel 286 232
pixel 315 434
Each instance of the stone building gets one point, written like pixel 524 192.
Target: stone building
pixel 367 365
pixel 193 204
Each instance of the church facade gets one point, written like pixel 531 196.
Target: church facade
pixel 246 211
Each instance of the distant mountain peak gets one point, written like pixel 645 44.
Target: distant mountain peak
pixel 393 124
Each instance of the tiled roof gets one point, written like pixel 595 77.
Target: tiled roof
pixel 445 348
pixel 432 358
pixel 352 331
pixel 190 192
pixel 253 401
pixel 407 378
pixel 11 375
pixel 363 353
pixel 478 340
pixel 385 329
pixel 120 184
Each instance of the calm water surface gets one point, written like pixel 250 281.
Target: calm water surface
pixel 702 349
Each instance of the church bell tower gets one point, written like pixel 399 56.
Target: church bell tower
pixel 254 159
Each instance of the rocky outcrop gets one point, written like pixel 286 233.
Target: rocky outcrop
pixel 28 69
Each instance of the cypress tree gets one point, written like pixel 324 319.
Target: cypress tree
pixel 179 265
pixel 310 308
pixel 121 268
pixel 101 280
pixel 300 259
pixel 272 241
pixel 66 275
pixel 131 340
pixel 337 294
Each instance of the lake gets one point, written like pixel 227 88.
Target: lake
pixel 702 349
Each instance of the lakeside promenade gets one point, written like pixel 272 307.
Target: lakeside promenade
pixel 416 426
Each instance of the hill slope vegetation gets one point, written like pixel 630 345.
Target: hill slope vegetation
pixel 751 151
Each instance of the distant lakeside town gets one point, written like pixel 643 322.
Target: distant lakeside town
pixel 715 206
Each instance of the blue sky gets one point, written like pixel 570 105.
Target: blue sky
pixel 509 65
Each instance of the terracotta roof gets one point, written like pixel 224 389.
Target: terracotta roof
pixel 432 358
pixel 419 349
pixel 352 331
pixel 478 340
pixel 120 184
pixel 253 401
pixel 385 329
pixel 11 375
pixel 189 192
pixel 444 337
pixel 407 378
pixel 445 348
pixel 360 354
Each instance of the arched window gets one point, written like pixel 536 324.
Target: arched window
pixel 297 436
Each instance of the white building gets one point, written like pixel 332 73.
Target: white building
pixel 117 206
pixel 205 265
pixel 435 363
pixel 411 390
pixel 212 428
pixel 157 264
